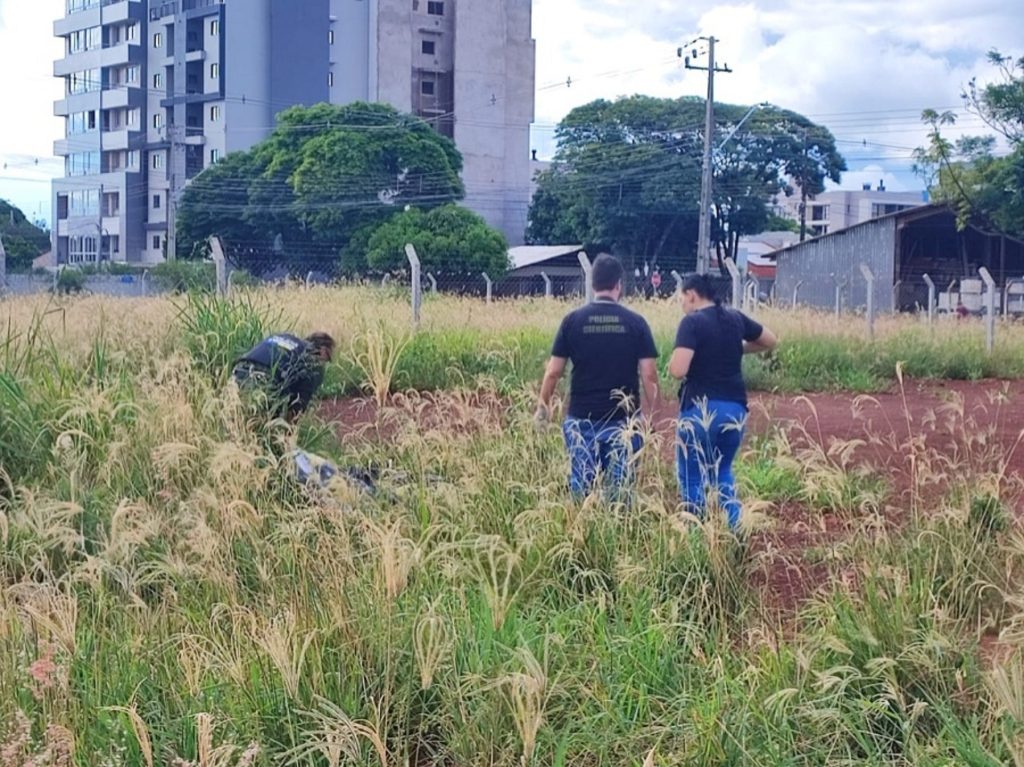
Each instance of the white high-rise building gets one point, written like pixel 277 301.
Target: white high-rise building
pixel 156 91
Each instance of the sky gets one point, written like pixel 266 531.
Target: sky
pixel 863 68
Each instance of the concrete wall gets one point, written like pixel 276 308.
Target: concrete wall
pixel 494 106
pixel 350 54
pixel 840 254
pixel 299 52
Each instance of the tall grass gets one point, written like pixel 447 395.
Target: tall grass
pixel 168 596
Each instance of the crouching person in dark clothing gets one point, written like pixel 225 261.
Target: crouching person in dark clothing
pixel 286 370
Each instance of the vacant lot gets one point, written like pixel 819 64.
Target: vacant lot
pixel 169 596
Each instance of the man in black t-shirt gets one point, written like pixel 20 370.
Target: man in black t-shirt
pixel 612 353
pixel 286 370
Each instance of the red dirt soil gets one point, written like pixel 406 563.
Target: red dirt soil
pixel 947 427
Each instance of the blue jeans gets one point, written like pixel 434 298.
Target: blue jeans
pixel 707 442
pixel 608 447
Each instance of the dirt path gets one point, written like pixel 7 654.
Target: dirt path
pixel 948 427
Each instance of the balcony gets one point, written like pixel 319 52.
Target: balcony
pixel 114 140
pixel 80 102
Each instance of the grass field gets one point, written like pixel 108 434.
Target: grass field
pixel 169 597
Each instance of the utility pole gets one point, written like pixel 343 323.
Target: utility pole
pixel 172 193
pixel 707 174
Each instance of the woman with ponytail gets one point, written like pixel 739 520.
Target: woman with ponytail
pixel 710 345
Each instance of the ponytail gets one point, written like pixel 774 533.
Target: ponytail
pixel 702 285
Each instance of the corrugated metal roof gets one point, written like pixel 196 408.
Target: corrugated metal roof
pixel 531 255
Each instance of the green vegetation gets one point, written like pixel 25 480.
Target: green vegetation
pixel 330 178
pixel 656 145
pixel 23 241
pixel 168 594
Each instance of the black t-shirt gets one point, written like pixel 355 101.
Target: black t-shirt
pixel 716 335
pixel 296 372
pixel 605 343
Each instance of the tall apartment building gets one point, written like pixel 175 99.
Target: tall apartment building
pixel 157 91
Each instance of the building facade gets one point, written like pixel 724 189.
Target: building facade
pixel 158 90
pixel 831 211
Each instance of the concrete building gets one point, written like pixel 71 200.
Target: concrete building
pixel 157 90
pixel 831 211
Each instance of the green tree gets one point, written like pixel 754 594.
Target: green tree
pixel 447 239
pixel 626 176
pixel 215 203
pixel 325 174
pixel 23 240
pixel 967 174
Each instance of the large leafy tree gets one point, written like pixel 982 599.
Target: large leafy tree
pixel 325 174
pixel 982 184
pixel 23 240
pixel 626 175
pixel 447 239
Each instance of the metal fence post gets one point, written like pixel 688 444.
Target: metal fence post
pixel 417 286
pixel 433 282
pixel 385 280
pixel 869 278
pixel 737 288
pixel 895 295
pixel 547 285
pixel 490 287
pixel 588 284
pixel 3 266
pixel 309 280
pixel 145 280
pixel 931 299
pixel 220 265
pixel 990 307
pixel 679 280
pixel 796 292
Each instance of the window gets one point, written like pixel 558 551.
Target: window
pixel 132 75
pixel 214 156
pixel 156 202
pixel 215 27
pixel 83 82
pixel 85 40
pixel 435 8
pixel 133 159
pixel 214 71
pixel 84 203
pixel 158 40
pixel 82 164
pixel 427 87
pixel 330 37
pixel 214 114
pixel 81 122
pixel 132 32
pixel 330 79
pixel 158 160
pixel 158 81
pixel 428 47
pixel 132 117
pixel 158 120
pixel 156 242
